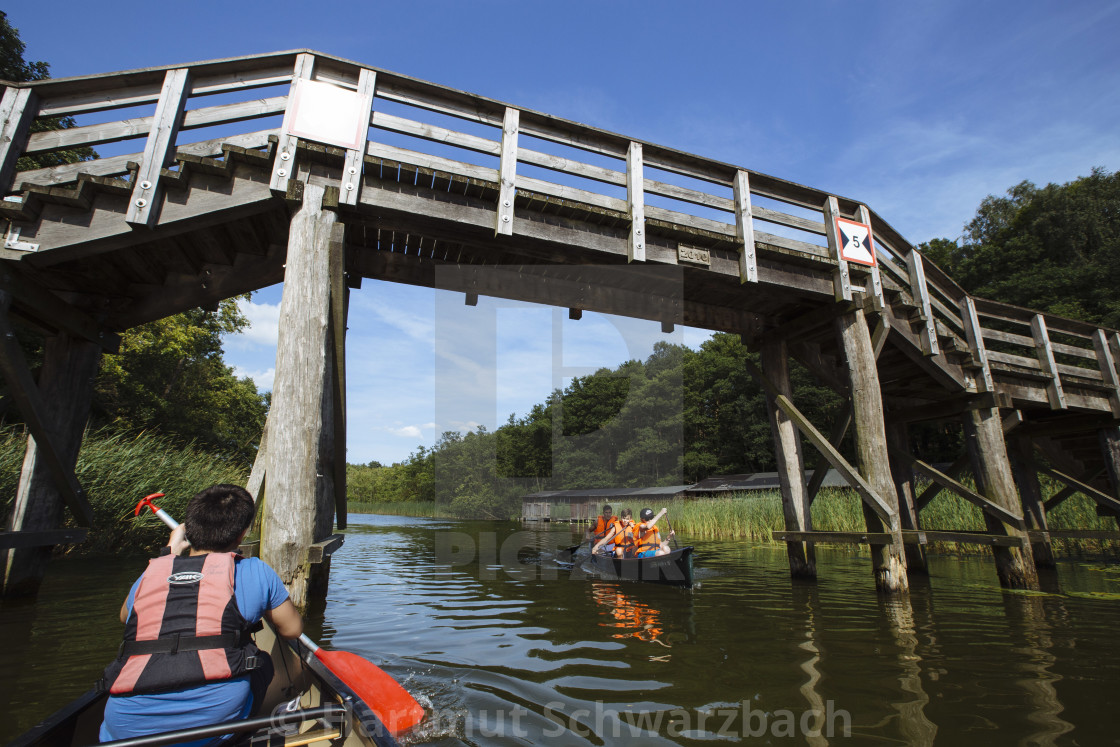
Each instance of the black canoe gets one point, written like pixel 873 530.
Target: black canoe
pixel 328 712
pixel 674 569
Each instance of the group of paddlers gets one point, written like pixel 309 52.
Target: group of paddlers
pixel 622 537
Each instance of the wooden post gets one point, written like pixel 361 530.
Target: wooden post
pixel 983 431
pixel 871 449
pixel 1110 450
pixel 1023 467
pixel 791 467
pixel 296 420
pixel 903 474
pixel 66 386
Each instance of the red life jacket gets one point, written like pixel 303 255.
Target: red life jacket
pixel 185 628
pixel 646 539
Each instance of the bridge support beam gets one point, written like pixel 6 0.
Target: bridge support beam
pixel 1023 466
pixel 791 466
pixel 1110 450
pixel 903 474
pixel 983 430
pixel 65 388
pixel 888 561
pixel 299 440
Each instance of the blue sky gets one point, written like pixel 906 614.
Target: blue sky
pixel 919 110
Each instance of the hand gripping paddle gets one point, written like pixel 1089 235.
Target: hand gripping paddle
pixel 386 698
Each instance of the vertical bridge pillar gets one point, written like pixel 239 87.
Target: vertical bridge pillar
pixel 299 499
pixel 888 561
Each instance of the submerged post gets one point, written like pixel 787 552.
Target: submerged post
pixel 1025 471
pixel 292 512
pixel 791 467
pixel 983 430
pixel 888 561
pixel 903 475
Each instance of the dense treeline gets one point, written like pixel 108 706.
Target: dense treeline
pixel 677 417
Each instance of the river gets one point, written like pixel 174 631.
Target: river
pixel 506 647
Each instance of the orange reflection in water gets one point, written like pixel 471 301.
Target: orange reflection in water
pixel 630 617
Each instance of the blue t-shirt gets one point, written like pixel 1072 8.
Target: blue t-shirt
pixel 257 589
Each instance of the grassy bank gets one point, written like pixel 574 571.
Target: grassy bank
pixel 118 469
pixel 425 509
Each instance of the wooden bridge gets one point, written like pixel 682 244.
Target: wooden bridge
pixel 222 177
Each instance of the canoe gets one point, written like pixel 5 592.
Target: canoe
pixel 674 569
pixel 328 713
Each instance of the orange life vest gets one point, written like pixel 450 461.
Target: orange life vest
pixel 602 527
pixel 646 539
pixel 624 538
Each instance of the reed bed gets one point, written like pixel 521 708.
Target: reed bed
pixel 117 469
pixel 425 509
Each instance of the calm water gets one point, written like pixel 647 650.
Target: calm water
pixel 506 647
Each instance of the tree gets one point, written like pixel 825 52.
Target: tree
pixel 1054 249
pixel 15 69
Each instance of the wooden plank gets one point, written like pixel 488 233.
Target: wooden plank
pixel 284 167
pixel 26 395
pixel 355 157
pixel 158 150
pixel 920 291
pixel 50 310
pixel 1007 517
pixel 691 196
pixel 791 221
pixel 744 228
pixel 573 194
pixel 112 132
pixel 17 111
pixel 1015 360
pixel 909 537
pixel 1098 534
pixel 320 551
pixel 847 538
pixel 975 338
pixel 1102 498
pixel 820 471
pixel 842 282
pixel 569 166
pixel 1107 365
pixel 925 536
pixel 636 202
pixel 446 136
pixel 435 163
pixel 864 216
pixel 507 173
pixel 1047 363
pixel 48 538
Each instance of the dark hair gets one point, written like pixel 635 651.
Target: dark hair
pixel 625 513
pixel 217 516
pixel 607 507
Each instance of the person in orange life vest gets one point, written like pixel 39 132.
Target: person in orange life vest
pixel 620 538
pixel 602 526
pixel 187 659
pixel 648 542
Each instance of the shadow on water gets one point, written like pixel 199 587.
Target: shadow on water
pixel 505 645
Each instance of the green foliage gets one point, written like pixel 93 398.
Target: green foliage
pixel 14 68
pixel 1055 249
pixel 117 469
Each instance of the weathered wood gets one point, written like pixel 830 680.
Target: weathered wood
pixel 159 149
pixel 975 339
pixel 17 111
pixel 842 281
pixel 1107 365
pixel 787 450
pixel 636 203
pixel 355 157
pixel 1109 439
pixel 871 449
pixel 340 296
pixel 988 452
pixel 283 168
pixel 863 215
pixel 47 309
pixel 903 476
pixel 820 471
pixel 1025 471
pixel 48 539
pixel 744 228
pixel 1101 497
pixel 258 475
pixel 910 538
pixel 1047 363
pixel 39 419
pixel 296 417
pixel 507 190
pixel 323 549
pixel 920 291
pixel 934 489
pixel 65 390
pixel 1008 516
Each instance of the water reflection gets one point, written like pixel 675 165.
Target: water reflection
pixel 627 615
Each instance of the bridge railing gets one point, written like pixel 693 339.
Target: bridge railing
pixel 139 120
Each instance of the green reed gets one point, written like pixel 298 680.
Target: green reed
pixel 116 469
pixel 426 509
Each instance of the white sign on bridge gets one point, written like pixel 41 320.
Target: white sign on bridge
pixel 854 240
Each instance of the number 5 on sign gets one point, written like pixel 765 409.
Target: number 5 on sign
pixel 854 240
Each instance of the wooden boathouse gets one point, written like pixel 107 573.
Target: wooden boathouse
pixel 222 177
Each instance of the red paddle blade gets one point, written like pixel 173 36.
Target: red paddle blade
pixel 393 705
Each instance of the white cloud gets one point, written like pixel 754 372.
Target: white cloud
pixel 264 325
pixel 263 379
